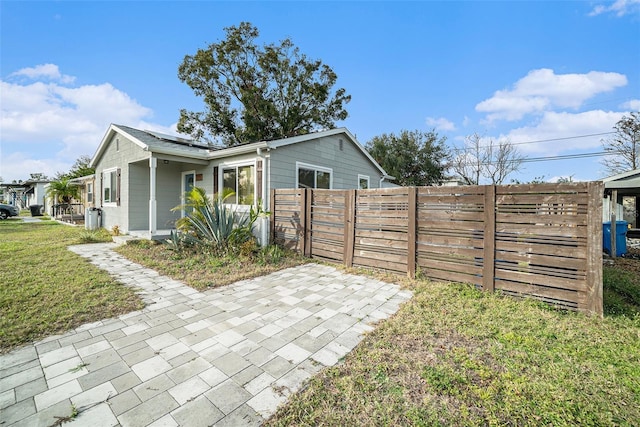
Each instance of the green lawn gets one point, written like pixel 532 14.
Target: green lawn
pixel 457 356
pixel 46 289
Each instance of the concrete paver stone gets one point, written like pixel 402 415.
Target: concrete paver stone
pixel 227 356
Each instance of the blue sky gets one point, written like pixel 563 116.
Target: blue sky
pixel 527 71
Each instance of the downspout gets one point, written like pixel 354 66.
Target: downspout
pixel 264 221
pixel 385 177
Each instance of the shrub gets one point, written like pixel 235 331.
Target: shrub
pixel 214 225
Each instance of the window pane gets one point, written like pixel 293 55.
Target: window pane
pixel 364 183
pixel 246 185
pixel 229 184
pixel 114 186
pixel 305 178
pixel 323 179
pixel 106 182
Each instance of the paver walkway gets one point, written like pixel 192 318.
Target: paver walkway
pixel 228 356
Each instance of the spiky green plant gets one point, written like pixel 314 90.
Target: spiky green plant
pixel 212 223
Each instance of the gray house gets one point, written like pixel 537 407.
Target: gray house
pixel 141 175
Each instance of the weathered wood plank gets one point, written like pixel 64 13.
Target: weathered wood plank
pixel 380 264
pixel 451 276
pixel 593 288
pixel 542 230
pixel 538 279
pixel 541 219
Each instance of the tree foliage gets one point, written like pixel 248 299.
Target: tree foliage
pixel 80 168
pixel 624 145
pixel 414 158
pixel 491 160
pixel 253 93
pixel 63 191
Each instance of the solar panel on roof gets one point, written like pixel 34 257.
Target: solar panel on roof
pixel 175 139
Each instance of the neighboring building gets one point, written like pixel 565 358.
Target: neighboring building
pixel 626 204
pixel 25 193
pixel 141 175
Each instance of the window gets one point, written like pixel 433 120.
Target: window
pixel 241 181
pixel 310 176
pixel 363 182
pixel 110 186
pixel 90 192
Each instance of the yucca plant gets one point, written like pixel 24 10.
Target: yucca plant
pixel 212 223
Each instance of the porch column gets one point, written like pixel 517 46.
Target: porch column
pixel 153 165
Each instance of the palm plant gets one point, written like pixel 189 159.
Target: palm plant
pixel 63 191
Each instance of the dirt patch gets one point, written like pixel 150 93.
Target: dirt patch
pixel 628 262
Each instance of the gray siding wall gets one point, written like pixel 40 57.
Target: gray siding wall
pixel 168 183
pixel 127 152
pixel 324 152
pixel 139 196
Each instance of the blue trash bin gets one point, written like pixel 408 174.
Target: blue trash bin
pixel 621 237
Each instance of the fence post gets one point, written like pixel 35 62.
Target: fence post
pixel 595 193
pixel 302 217
pixel 308 201
pixel 272 219
pixel 411 232
pixel 349 226
pixel 489 239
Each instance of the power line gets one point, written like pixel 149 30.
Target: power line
pixel 456 149
pixel 549 158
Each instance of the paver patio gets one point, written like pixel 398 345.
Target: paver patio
pixel 226 357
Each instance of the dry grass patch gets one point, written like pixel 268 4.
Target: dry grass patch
pixel 47 289
pixel 204 270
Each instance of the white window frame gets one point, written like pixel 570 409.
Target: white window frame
pixel 236 165
pixel 364 177
pixel 113 199
pixel 90 197
pixel 183 201
pixel 314 168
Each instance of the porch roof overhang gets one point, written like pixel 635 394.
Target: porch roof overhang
pixel 627 183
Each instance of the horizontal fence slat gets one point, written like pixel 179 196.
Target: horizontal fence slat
pixel 379 264
pixel 391 235
pixel 451 276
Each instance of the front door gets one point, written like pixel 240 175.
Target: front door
pixel 188 181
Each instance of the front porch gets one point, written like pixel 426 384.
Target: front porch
pixel 147 235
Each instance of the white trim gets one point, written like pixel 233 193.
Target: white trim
pixel 366 177
pixel 182 190
pixel 315 168
pixel 111 193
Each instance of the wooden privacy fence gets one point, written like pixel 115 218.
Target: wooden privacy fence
pixel 543 241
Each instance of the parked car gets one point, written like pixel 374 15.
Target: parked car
pixel 7 211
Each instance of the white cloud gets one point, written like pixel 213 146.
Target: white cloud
pixel 632 105
pixel 554 126
pixel 46 126
pixel 541 90
pixel 441 124
pixel 618 8
pixel 44 71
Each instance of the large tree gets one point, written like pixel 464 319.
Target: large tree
pixel 412 157
pixel 489 159
pixel 254 93
pixel 624 146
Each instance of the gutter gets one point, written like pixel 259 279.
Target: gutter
pixel 386 177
